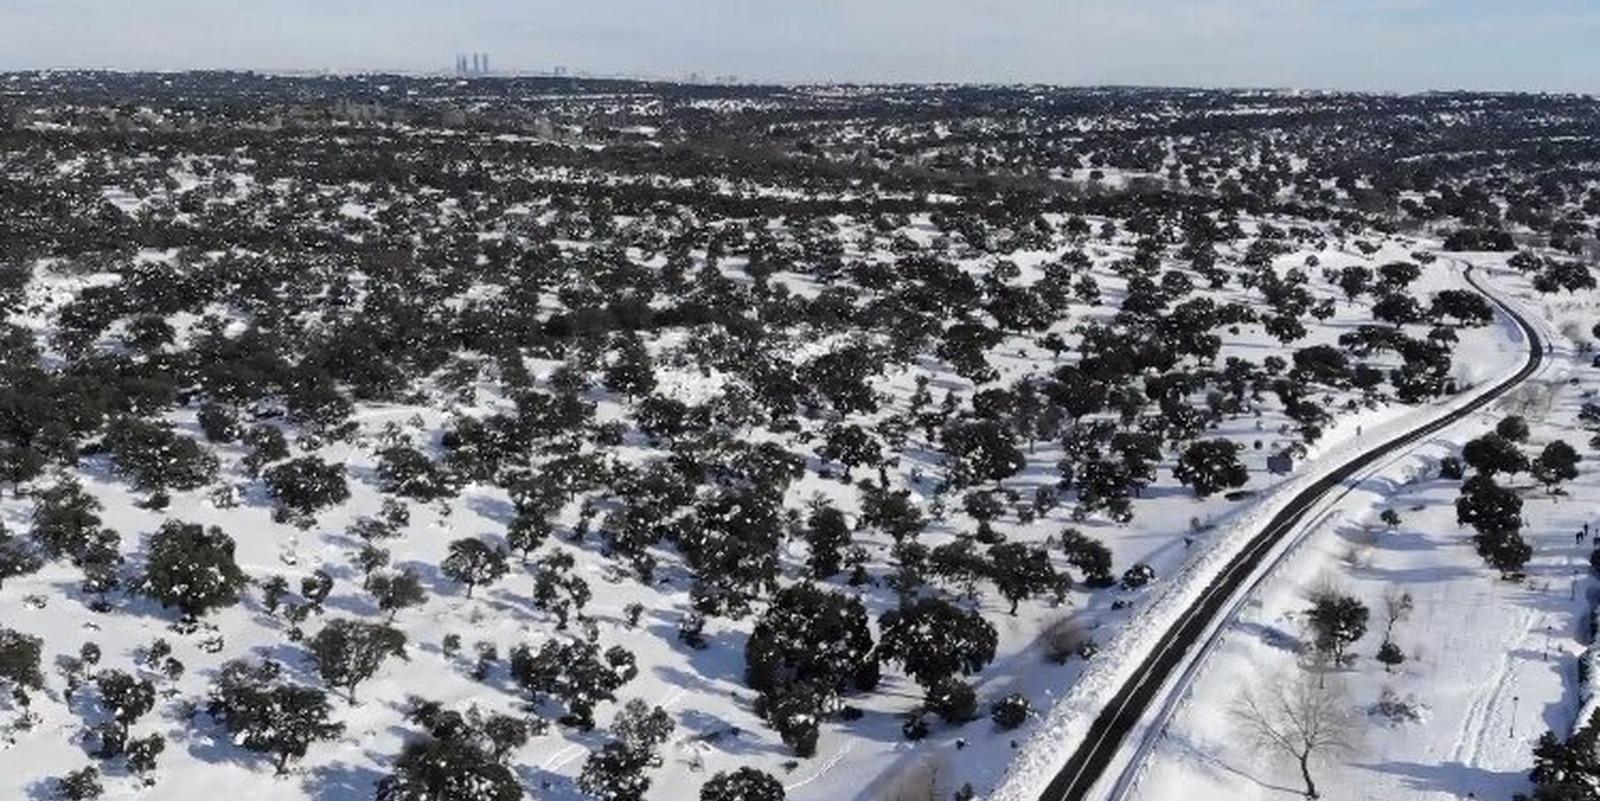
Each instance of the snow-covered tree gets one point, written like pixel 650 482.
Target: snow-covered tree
pixel 191 567
pixel 932 639
pixel 575 672
pixel 301 487
pixel 448 769
pixel 267 714
pixel 744 784
pixel 812 635
pixel 1211 465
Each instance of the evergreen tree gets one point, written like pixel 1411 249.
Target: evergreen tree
pixel 1558 462
pixel 1211 465
pixel 827 533
pixel 473 562
pixel 1021 571
pixel 303 486
pixel 448 769
pixel 16 558
pixel 810 634
pixel 268 715
pixel 19 659
pixel 630 372
pixel 1088 555
pixel 744 784
pixel 398 591
pixel 1337 620
pixel 191 567
pixel 348 652
pixel 932 639
pixel 1493 453
pixel 126 698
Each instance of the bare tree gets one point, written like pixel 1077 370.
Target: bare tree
pixel 1397 606
pixel 1300 717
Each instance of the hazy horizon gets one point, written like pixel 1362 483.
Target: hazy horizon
pixel 1370 45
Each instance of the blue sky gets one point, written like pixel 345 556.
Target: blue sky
pixel 1358 44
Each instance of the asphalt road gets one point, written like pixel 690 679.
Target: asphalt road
pixel 1133 701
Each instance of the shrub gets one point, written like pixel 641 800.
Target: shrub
pixel 1010 712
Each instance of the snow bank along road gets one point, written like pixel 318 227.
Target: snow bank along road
pixel 1134 699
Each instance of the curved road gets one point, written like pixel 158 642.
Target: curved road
pixel 1105 737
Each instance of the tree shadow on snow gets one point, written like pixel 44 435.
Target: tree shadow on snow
pixel 342 781
pixel 1454 779
pixel 1214 765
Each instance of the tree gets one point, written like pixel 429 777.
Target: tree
pixel 192 568
pixel 142 753
pixel 1558 462
pixel 64 519
pixel 573 671
pixel 1495 514
pixel 473 562
pixel 19 659
pixel 1011 711
pixel 851 446
pixel 981 450
pixel 641 727
pixel 932 639
pixel 1570 770
pixel 1299 718
pixel 1488 507
pixel 305 485
pixel 398 591
pixel 1467 307
pixel 794 710
pixel 1337 621
pixel 370 558
pixel 827 533
pixel 153 457
pixel 951 699
pixel 744 784
pixel 1088 555
pixel 127 698
pixel 448 769
pixel 556 589
pixel 1355 280
pixel 16 558
pixel 80 785
pixel 268 715
pixel 1513 427
pixel 615 773
pixel 1021 571
pixel 348 652
pixel 809 634
pixel 1493 453
pixel 407 472
pixel 1211 465
pixel 630 372
pixel 1390 655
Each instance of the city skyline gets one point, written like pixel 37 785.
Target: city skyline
pixel 1401 45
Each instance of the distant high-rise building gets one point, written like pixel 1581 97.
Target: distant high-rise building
pixel 486 63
